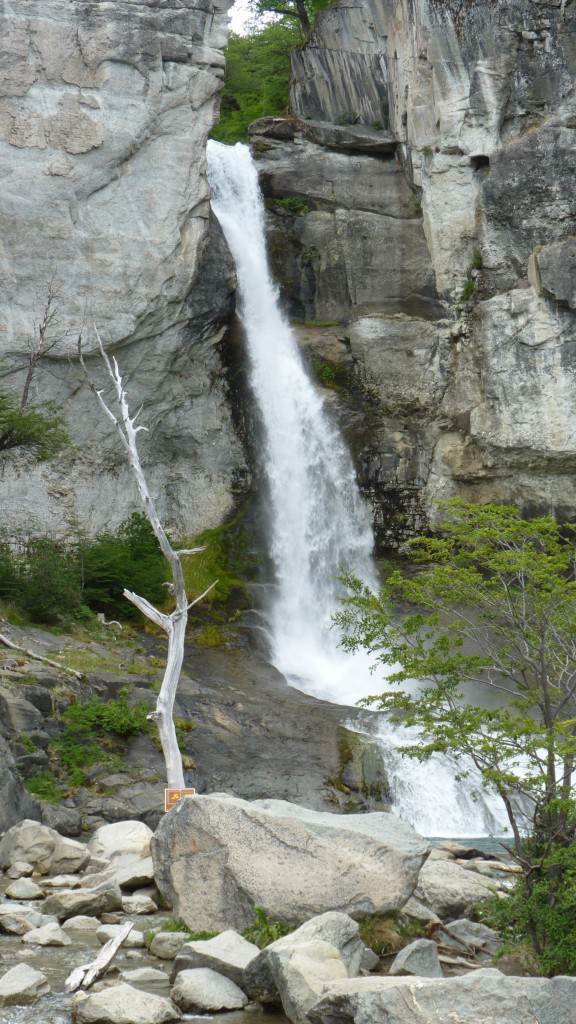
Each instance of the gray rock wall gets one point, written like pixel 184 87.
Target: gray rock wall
pixel 104 114
pixel 473 212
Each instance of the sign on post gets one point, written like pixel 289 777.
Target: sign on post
pixel 171 796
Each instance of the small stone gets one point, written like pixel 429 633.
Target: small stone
pixel 202 990
pixel 145 976
pixel 167 945
pixel 48 935
pixel 20 869
pixel 24 889
pixel 138 905
pixel 419 958
pixel 111 918
pixel 22 985
pixel 122 1004
pixel 61 882
pixel 81 923
pixel 110 931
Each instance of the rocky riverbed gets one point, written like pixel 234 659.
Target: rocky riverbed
pixel 61 900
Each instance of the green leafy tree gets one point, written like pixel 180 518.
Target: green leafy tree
pixel 494 602
pixel 48 586
pixel 36 431
pixel 257 80
pixel 130 558
pixel 299 12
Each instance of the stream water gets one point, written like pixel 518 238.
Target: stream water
pixel 318 523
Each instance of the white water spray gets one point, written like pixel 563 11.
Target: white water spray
pixel 319 525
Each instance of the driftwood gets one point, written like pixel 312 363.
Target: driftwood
pixel 38 657
pixel 83 977
pixel 460 961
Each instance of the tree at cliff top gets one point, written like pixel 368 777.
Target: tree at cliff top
pixel 493 602
pixel 173 623
pixel 297 12
pixel 257 80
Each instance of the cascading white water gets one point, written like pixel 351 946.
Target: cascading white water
pixel 319 525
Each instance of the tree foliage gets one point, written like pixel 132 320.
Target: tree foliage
pixel 493 601
pixel 50 581
pixel 36 431
pixel 300 13
pixel 130 558
pixel 257 80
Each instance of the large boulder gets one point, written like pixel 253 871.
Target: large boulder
pixel 48 935
pixel 93 902
pixel 301 974
pixel 41 846
pixel 450 890
pixel 338 931
pixel 420 958
pixel 16 919
pixel 216 857
pixel 484 995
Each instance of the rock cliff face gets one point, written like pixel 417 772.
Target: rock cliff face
pixel 104 114
pixel 446 257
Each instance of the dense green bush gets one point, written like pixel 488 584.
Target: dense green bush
pixel 50 581
pixel 36 432
pixel 92 731
pixel 257 80
pixel 130 558
pixel 543 915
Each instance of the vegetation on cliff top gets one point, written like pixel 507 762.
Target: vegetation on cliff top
pixel 257 80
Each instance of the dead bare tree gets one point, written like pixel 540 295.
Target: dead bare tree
pixel 46 336
pixel 174 623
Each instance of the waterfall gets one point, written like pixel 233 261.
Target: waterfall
pixel 319 525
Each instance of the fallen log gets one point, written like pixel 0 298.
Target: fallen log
pixel 38 657
pixel 83 977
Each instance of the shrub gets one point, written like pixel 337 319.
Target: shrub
pixel 44 786
pixel 91 733
pixel 294 205
pixel 48 586
pixel 128 559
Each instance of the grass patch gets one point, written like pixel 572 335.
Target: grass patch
pixel 387 935
pixel 44 786
pixel 263 931
pixel 95 731
pixel 294 205
pixel 225 559
pixel 468 289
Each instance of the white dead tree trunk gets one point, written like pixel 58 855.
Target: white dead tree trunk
pixel 174 623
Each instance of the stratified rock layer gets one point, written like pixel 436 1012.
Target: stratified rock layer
pixel 104 114
pixel 454 306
